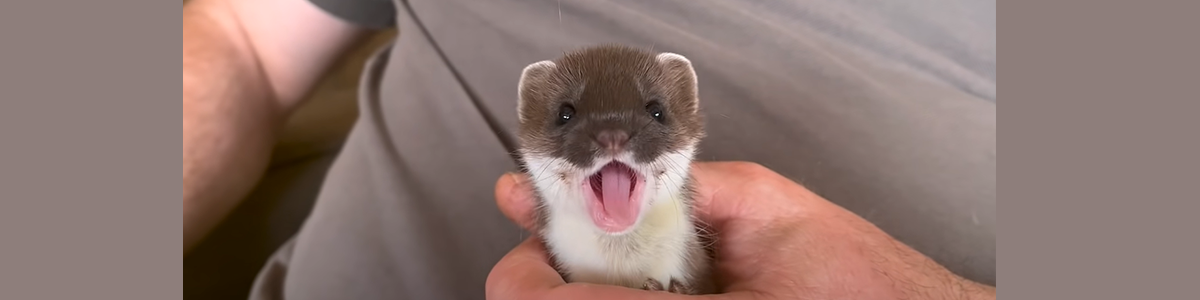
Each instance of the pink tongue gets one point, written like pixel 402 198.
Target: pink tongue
pixel 617 206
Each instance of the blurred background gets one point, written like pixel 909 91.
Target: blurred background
pixel 224 264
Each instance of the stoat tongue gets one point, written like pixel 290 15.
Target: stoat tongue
pixel 613 186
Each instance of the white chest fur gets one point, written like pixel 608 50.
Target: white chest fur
pixel 664 245
pixel 661 247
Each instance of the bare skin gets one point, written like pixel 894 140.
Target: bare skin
pixel 776 240
pixel 246 66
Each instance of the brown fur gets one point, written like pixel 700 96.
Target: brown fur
pixel 613 87
pixel 609 86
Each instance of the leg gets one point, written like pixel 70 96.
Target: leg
pixel 652 285
pixel 407 210
pixel 679 287
pixel 675 286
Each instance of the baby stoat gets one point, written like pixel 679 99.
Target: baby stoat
pixel 607 135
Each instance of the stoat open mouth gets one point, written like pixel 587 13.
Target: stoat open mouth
pixel 614 197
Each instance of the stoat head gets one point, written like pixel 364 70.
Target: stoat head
pixel 609 131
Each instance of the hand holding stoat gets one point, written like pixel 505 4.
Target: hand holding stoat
pixel 775 240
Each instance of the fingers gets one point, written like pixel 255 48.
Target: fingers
pixel 717 198
pixel 525 273
pixel 514 197
pixel 741 190
pixel 726 181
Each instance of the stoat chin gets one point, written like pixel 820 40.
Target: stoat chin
pixel 613 197
pixel 615 194
pixel 590 238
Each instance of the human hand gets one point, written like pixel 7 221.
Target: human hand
pixel 775 240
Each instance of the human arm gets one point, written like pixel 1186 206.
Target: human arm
pixel 246 66
pixel 776 240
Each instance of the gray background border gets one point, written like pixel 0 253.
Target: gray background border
pixel 1100 150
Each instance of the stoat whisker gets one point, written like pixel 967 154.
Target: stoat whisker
pixel 665 164
pixel 634 133
pixel 571 134
pixel 537 176
pixel 701 231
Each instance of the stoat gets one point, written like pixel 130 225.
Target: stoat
pixel 607 135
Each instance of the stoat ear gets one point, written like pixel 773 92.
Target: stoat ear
pixel 678 71
pixel 534 75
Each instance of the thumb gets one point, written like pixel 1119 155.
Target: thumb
pixel 514 197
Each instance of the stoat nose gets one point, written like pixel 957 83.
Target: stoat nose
pixel 612 140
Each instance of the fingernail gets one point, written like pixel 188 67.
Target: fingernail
pixel 517 178
pixel 518 184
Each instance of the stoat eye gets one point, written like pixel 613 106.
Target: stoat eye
pixel 656 111
pixel 565 113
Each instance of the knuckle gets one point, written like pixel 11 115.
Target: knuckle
pixel 752 170
pixel 756 176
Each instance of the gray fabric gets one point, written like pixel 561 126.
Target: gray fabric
pixel 366 13
pixel 884 107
